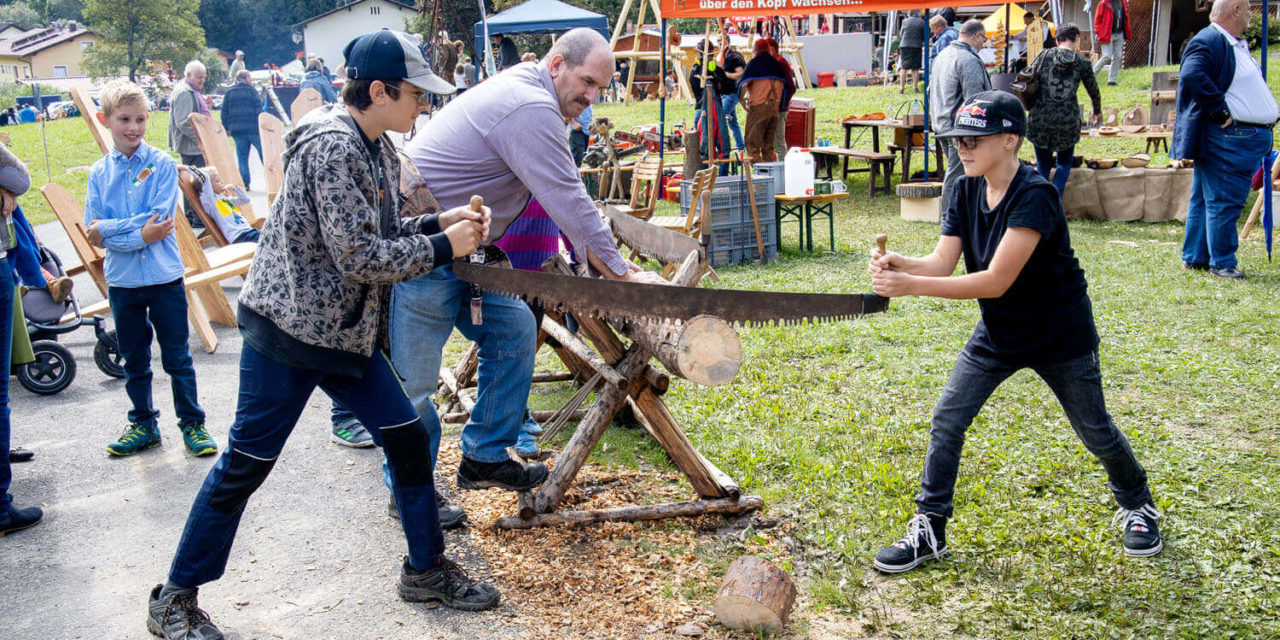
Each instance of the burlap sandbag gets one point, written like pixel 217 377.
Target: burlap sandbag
pixel 1122 192
pixel 1080 199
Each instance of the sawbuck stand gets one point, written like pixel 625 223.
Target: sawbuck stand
pixel 703 349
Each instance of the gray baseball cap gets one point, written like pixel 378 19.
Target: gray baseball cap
pixel 387 54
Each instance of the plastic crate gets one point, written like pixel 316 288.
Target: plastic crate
pixel 731 192
pixel 731 236
pixel 773 171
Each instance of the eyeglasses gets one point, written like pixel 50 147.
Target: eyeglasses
pixel 419 97
pixel 968 143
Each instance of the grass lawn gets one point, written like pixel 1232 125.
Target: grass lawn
pixel 830 424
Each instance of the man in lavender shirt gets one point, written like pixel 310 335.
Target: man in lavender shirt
pixel 504 140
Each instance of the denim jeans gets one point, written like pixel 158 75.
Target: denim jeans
pixel 244 143
pixel 1045 164
pixel 6 338
pixel 729 104
pixel 137 312
pixel 424 312
pixel 1076 382
pixel 1219 186
pixel 272 397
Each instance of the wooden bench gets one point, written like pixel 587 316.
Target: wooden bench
pixel 879 165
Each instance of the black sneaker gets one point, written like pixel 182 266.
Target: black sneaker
pixel 926 539
pixel 508 474
pixel 1141 531
pixel 19 519
pixel 447 584
pixel 1196 266
pixel 451 515
pixel 179 617
pixel 1230 273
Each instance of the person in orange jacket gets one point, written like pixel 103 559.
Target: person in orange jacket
pixel 1111 28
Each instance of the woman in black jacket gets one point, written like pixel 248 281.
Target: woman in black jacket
pixel 1053 123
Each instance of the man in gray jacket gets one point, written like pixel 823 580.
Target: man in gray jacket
pixel 185 100
pixel 957 74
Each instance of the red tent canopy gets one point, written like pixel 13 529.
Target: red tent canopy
pixel 729 8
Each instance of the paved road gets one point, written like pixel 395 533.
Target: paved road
pixel 317 555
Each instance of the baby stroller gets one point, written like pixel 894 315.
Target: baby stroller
pixel 54 367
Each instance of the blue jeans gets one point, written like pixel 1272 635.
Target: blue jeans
pixel 424 312
pixel 137 312
pixel 1219 186
pixel 729 104
pixel 1076 382
pixel 1045 164
pixel 272 397
pixel 6 338
pixel 243 143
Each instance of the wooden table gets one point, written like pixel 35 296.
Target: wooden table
pixel 805 209
pixel 1155 139
pixel 875 125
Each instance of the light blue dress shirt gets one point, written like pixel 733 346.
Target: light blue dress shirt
pixel 123 192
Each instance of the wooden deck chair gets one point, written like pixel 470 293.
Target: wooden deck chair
pixel 206 302
pixel 690 223
pixel 307 101
pixel 187 182
pixel 90 112
pixel 646 178
pixel 215 145
pixel 71 214
pixel 271 133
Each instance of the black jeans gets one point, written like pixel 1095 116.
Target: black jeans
pixel 1078 385
pixel 160 309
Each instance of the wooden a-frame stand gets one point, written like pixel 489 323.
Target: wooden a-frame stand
pixel 703 349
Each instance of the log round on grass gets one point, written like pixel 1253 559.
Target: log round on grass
pixel 755 595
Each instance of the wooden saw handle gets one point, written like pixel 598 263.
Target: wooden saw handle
pixel 882 242
pixel 477 203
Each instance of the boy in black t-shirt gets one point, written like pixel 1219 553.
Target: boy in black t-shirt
pixel 1008 223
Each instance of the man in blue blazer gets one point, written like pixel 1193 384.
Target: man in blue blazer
pixel 1225 116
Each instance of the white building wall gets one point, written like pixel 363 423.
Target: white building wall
pixel 328 36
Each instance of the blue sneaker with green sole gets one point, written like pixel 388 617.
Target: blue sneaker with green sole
pixel 136 438
pixel 197 439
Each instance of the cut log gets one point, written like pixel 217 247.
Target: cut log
pixel 704 349
pixel 755 595
pixel 686 509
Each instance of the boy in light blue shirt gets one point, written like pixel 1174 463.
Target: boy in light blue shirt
pixel 131 195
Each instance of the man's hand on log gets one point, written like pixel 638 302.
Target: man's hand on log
pixel 636 274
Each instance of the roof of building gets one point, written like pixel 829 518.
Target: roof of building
pixel 37 40
pixel 406 5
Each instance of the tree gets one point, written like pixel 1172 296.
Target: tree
pixel 133 32
pixel 64 10
pixel 260 28
pixel 21 15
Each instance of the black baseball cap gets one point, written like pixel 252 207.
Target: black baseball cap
pixel 988 113
pixel 387 54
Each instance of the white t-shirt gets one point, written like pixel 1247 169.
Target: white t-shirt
pixel 1248 98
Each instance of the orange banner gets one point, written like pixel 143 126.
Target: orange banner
pixel 757 8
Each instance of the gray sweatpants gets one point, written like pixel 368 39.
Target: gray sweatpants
pixel 1113 54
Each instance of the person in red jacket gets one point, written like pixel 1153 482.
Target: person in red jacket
pixel 1111 28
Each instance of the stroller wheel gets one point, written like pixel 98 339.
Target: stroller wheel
pixel 52 371
pixel 106 354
